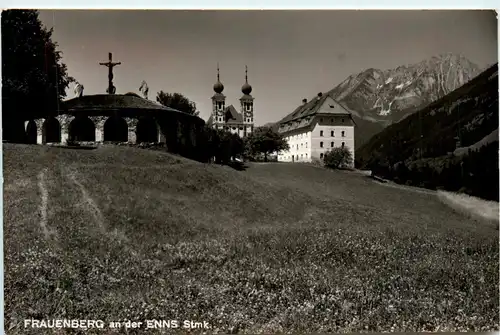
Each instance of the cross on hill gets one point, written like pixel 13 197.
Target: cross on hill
pixel 110 65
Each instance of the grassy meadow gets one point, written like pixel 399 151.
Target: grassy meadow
pixel 122 233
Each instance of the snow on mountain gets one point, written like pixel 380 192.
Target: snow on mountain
pixel 387 96
pixel 405 88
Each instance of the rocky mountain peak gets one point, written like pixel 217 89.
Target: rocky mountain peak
pixel 387 96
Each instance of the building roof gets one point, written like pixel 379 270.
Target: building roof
pixel 303 115
pixel 112 102
pixel 231 116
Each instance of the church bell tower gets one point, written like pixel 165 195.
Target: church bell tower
pixel 247 111
pixel 218 103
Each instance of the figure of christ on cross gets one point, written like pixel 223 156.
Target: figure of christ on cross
pixel 110 65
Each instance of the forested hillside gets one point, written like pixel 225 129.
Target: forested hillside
pixel 421 149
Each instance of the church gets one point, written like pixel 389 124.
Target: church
pixel 314 128
pixel 227 117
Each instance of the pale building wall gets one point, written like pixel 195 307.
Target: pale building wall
pixel 307 144
pixel 343 132
pixel 300 147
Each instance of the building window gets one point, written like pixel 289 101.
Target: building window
pixel 321 120
pixel 301 144
pixel 321 144
pixel 301 156
pixel 343 133
pixel 332 133
pixel 306 155
pixel 333 120
pixel 321 133
pixel 297 157
pixel 306 144
pixel 343 144
pixel 321 155
pixel 297 147
pixel 331 144
pixel 342 120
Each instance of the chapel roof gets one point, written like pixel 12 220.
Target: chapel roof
pixel 113 102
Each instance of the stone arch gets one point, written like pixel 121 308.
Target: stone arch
pixel 51 131
pixel 81 129
pixel 31 132
pixel 146 130
pixel 115 129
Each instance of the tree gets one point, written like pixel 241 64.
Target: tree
pixel 34 80
pixel 264 140
pixel 229 146
pixel 338 158
pixel 177 101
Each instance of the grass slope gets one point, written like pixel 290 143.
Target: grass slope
pixel 129 234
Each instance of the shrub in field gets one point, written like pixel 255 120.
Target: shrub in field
pixel 338 158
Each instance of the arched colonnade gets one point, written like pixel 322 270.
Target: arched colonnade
pixel 64 128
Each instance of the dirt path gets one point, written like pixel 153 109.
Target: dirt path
pixel 44 199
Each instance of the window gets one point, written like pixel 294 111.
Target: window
pixel 331 144
pixel 332 133
pixel 321 144
pixel 301 155
pixel 332 120
pixel 297 147
pixel 321 155
pixel 321 120
pixel 343 144
pixel 343 133
pixel 306 155
pixel 301 144
pixel 321 133
pixel 297 157
pixel 306 144
pixel 342 120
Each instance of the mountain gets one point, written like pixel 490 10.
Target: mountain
pixel 378 98
pixel 451 143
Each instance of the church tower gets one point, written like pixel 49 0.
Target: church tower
pixel 218 103
pixel 247 106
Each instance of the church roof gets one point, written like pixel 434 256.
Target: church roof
pixel 303 115
pixel 232 116
pixel 210 120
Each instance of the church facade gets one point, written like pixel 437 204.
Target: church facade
pixel 314 128
pixel 227 117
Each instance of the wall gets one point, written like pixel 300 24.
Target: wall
pixel 300 145
pixel 327 124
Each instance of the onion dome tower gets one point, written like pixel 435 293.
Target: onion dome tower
pixel 247 111
pixel 218 103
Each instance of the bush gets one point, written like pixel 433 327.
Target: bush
pixel 338 158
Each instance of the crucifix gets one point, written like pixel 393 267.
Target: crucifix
pixel 110 65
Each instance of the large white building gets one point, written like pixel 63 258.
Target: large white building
pixel 314 128
pixel 227 117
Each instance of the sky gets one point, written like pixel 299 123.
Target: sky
pixel 290 55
